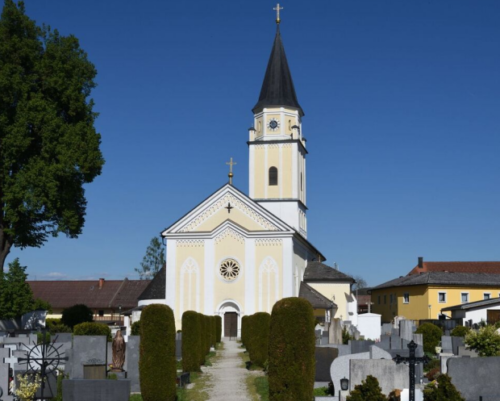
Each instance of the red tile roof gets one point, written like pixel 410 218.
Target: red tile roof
pixel 458 267
pixel 63 294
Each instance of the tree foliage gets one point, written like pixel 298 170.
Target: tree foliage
pixel 369 389
pixel 486 341
pixel 191 345
pixel 431 335
pixel 157 364
pixel 260 341
pixel 92 329
pixel 359 284
pixel 76 314
pixel 16 297
pixel 291 351
pixel 443 390
pixel 153 260
pixel 49 147
pixel 460 331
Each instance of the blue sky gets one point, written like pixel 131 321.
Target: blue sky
pixel 402 104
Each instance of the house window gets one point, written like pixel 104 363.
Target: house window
pixel 406 298
pixel 487 295
pixel 101 313
pixel 385 299
pixel 390 299
pixel 442 297
pixel 378 299
pixel 273 176
pixel 465 297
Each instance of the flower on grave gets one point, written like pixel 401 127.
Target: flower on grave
pixel 28 386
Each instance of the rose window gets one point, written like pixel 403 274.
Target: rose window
pixel 229 269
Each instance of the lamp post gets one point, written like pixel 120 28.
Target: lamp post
pixel 412 360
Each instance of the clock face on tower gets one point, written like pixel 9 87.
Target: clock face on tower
pixel 273 125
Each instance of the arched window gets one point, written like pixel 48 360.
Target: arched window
pixel 273 176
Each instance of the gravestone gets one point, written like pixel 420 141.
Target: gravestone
pixel 457 342
pixel 61 338
pixel 360 346
pixel 395 342
pixel 178 349
pixel 379 353
pixel 446 344
pixel 96 390
pixel 389 374
pixel 406 329
pixel 344 349
pixel 418 339
pixel 132 363
pixel 444 358
pixel 324 358
pixel 387 329
pixel 324 338
pixel 464 351
pixel 405 395
pixel 475 377
pixel 87 350
pixel 340 367
pixel 385 341
pixel 4 373
pixel 335 332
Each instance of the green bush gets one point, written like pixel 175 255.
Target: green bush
pixel 218 328
pixel 260 341
pixel 201 335
pixel 443 391
pixel 56 326
pixel 211 325
pixel 92 329
pixel 291 351
pixel 75 315
pixel 486 341
pixel 157 364
pixel 190 342
pixel 206 336
pixel 369 389
pixel 244 330
pixel 249 335
pixel 345 335
pixel 432 336
pixel 136 328
pixel 460 331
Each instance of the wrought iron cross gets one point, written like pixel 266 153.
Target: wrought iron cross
pixel 412 360
pixel 277 9
pixel 229 207
pixel 230 175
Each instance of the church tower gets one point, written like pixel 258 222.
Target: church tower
pixel 277 170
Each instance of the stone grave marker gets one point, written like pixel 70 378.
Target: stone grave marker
pixel 4 373
pixel 87 350
pixel 446 344
pixel 405 395
pixel 387 329
pixel 335 332
pixel 379 353
pixel 385 342
pixel 389 374
pixel 457 342
pixel 464 351
pixel 406 329
pixel 324 338
pixel 132 363
pixel 395 342
pixel 358 346
pixel 324 357
pixel 475 377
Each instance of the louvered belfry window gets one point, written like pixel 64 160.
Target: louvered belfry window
pixel 273 176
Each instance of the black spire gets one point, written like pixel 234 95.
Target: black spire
pixel 277 88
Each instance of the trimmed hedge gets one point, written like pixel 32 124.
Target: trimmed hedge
pixel 291 351
pixel 190 342
pixel 136 328
pixel 260 338
pixel 201 338
pixel 244 330
pixel 76 314
pixel 211 325
pixel 218 329
pixel 92 329
pixel 157 363
pixel 250 334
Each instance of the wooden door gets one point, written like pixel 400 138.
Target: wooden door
pixel 493 316
pixel 230 324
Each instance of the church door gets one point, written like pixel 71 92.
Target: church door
pixel 230 324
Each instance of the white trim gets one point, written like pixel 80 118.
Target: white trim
pixel 224 307
pixel 209 276
pixel 287 268
pixel 170 273
pixel 189 266
pixel 268 266
pixel 250 275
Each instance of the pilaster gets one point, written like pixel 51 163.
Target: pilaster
pixel 249 307
pixel 171 273
pixel 209 277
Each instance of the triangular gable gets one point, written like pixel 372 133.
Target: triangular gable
pixel 213 212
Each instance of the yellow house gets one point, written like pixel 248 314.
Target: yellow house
pixel 423 296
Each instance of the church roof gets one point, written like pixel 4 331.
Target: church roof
pixel 319 271
pixel 277 88
pixel 156 288
pixel 317 300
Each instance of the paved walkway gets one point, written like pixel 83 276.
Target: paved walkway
pixel 228 376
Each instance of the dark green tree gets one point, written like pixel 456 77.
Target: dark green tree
pixel 191 352
pixel 16 297
pixel 153 260
pixel 369 389
pixel 41 304
pixel 76 314
pixel 49 147
pixel 443 391
pixel 432 336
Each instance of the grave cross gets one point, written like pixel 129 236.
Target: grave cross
pixel 412 360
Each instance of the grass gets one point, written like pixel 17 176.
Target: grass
pixel 321 392
pixel 246 358
pixel 258 387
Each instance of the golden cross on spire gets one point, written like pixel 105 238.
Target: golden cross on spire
pixel 277 9
pixel 230 175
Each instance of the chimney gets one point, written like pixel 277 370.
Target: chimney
pixel 101 283
pixel 420 262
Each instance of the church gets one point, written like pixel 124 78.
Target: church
pixel 236 254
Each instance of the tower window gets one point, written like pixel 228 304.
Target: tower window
pixel 273 176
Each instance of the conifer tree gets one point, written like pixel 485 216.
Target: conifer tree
pixel 48 144
pixel 16 297
pixel 153 260
pixel 444 390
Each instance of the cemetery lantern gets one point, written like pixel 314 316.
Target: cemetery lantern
pixel 344 384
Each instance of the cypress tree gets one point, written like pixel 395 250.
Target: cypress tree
pixel 157 362
pixel 190 342
pixel 218 323
pixel 291 351
pixel 260 338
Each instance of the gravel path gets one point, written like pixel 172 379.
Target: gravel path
pixel 228 375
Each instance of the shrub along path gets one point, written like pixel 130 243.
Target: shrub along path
pixel 228 376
